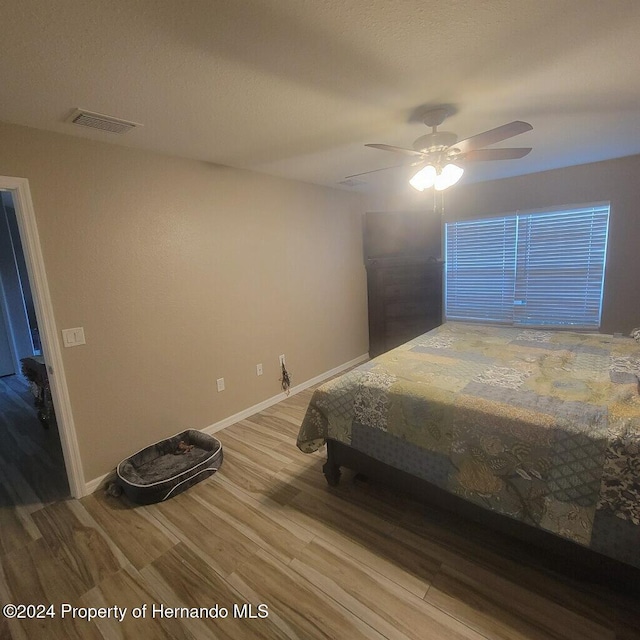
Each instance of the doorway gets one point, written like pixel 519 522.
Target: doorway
pixel 18 325
pixel 31 454
pixel 33 335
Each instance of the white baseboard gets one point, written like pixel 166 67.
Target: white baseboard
pixel 265 404
pixel 95 484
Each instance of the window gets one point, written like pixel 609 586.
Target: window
pixel 540 269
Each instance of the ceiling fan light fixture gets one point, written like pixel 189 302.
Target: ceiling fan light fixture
pixel 432 176
pixel 424 179
pixel 449 175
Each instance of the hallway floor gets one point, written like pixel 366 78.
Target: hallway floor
pixel 32 471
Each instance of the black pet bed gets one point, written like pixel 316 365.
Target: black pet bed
pixel 166 468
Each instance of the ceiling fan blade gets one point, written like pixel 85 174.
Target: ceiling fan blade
pixel 497 154
pixel 388 147
pixel 492 136
pixel 395 166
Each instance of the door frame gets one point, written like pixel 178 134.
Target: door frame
pixel 25 214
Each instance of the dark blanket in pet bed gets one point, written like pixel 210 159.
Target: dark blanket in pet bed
pixel 166 468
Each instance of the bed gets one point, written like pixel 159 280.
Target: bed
pixel 541 428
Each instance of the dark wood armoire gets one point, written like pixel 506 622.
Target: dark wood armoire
pixel 404 277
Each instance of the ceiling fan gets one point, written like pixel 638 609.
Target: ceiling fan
pixel 443 155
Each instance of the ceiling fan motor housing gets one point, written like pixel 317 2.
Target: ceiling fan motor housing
pixel 437 141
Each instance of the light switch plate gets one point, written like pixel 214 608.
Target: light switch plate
pixel 73 337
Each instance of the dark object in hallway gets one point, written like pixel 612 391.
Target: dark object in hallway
pixel 35 370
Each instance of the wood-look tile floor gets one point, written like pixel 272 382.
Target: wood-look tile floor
pixel 355 561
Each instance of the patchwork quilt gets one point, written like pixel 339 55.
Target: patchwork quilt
pixel 541 426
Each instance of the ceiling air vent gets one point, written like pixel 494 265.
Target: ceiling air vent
pixel 99 121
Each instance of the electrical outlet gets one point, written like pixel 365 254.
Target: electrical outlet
pixel 220 383
pixel 259 369
pixel 281 359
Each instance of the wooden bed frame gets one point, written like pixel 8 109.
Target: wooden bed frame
pixel 567 557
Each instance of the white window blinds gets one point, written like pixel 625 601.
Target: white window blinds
pixel 480 269
pixel 534 269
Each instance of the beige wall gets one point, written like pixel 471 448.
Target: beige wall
pixel 616 181
pixel 182 272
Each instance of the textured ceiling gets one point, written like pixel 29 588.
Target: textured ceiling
pixel 295 88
